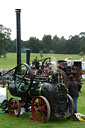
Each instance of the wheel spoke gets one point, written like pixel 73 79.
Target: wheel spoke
pixel 19 76
pixel 44 115
pixel 45 110
pixel 43 106
pixel 11 105
pixel 37 113
pixel 38 102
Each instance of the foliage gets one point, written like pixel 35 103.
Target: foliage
pixel 74 45
pixel 34 44
pixel 4 39
pixel 41 54
pixel 81 53
pixel 47 43
pixel 12 46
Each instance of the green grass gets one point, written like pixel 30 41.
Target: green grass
pixel 11 58
pixel 23 121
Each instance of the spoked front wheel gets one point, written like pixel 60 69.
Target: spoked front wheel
pixel 40 109
pixel 14 107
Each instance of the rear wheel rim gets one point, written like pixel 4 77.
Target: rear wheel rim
pixel 14 107
pixel 40 109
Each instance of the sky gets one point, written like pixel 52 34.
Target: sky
pixel 39 17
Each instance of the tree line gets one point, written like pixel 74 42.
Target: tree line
pixel 48 44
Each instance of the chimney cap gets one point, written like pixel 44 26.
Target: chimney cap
pixel 17 10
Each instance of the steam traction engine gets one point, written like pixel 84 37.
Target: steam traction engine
pixel 75 69
pixel 44 92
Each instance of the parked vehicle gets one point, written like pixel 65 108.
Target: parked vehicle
pixel 83 70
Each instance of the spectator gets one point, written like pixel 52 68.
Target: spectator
pixel 73 90
pixel 70 63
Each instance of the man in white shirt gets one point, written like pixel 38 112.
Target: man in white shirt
pixel 70 62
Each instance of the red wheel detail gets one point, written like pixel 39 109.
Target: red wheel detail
pixel 22 104
pixel 40 109
pixel 46 71
pixel 14 107
pixel 63 78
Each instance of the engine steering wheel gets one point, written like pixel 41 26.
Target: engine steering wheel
pixel 23 77
pixel 49 61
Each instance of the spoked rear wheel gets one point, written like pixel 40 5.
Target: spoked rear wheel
pixel 40 109
pixel 14 107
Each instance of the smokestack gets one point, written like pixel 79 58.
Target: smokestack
pixel 28 57
pixel 18 31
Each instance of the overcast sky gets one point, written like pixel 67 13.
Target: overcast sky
pixel 39 17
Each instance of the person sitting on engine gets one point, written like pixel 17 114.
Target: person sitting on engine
pixel 70 62
pixel 35 64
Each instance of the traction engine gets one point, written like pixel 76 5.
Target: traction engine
pixel 45 93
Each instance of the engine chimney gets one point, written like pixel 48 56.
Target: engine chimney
pixel 18 31
pixel 28 57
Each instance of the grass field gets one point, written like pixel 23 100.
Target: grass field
pixel 11 58
pixel 23 121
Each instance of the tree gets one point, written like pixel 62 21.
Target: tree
pixel 41 54
pixel 81 54
pixel 4 39
pixel 12 46
pixel 73 45
pixel 35 45
pixel 55 44
pixel 82 44
pixel 47 42
pixel 82 34
pixel 62 45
